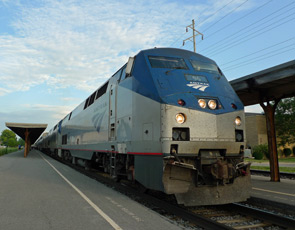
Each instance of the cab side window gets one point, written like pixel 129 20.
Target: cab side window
pixel 123 76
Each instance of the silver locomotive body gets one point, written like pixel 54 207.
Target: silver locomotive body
pixel 173 128
pixel 206 163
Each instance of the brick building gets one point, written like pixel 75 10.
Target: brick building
pixel 256 133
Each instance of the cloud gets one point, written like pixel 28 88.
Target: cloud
pixel 217 10
pixel 70 44
pixel 70 99
pixel 39 113
pixel 253 109
pixel 56 111
pixel 80 44
pixel 4 91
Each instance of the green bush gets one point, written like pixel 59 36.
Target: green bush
pixel 4 151
pixel 287 152
pixel 280 152
pixel 258 155
pixel 259 151
pixel 293 150
pixel 265 151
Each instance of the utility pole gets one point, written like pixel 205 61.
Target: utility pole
pixel 192 26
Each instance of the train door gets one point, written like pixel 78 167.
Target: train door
pixel 113 112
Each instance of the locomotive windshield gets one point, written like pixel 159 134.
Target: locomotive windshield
pixel 167 62
pixel 204 66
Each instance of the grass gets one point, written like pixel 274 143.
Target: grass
pixel 8 150
pixel 282 169
pixel 285 160
pixel 266 168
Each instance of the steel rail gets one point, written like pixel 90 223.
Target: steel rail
pixel 180 212
pixel 267 173
pixel 151 201
pixel 269 217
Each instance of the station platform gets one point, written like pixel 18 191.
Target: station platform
pixel 282 192
pixel 38 192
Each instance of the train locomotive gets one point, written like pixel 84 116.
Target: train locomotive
pixel 167 119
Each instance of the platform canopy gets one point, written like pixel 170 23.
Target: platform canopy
pixel 35 130
pixel 29 132
pixel 262 88
pixel 274 83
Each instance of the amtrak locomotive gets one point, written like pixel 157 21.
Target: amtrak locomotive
pixel 168 119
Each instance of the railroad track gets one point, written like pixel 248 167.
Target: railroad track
pixel 240 216
pixel 267 173
pixel 231 216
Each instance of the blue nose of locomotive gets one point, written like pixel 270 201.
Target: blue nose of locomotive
pixel 184 79
pixel 185 88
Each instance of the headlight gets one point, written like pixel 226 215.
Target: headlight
pixel 212 104
pixel 238 121
pixel 202 103
pixel 180 118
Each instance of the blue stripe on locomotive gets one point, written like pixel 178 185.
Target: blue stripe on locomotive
pixel 168 87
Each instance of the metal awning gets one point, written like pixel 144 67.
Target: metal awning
pixel 29 132
pixel 20 128
pixel 274 83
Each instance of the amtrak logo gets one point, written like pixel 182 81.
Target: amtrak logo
pixel 199 86
pixel 97 120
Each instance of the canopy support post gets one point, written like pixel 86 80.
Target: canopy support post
pixel 27 143
pixel 269 111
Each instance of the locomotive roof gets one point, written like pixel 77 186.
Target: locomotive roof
pixel 176 52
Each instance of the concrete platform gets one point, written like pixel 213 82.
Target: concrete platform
pixel 281 192
pixel 38 192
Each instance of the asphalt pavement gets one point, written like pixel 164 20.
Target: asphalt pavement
pixel 38 192
pixel 281 192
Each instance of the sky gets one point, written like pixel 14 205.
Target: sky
pixel 55 53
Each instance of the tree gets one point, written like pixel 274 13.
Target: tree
pixel 8 138
pixel 20 141
pixel 285 121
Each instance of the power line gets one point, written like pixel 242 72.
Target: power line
pixel 252 59
pixel 243 29
pixel 202 21
pixel 236 38
pixel 210 35
pixel 225 16
pixel 178 39
pixel 251 29
pixel 215 12
pixel 259 51
pixel 211 16
pixel 262 59
pixel 232 44
pixel 192 27
pixel 190 47
pixel 208 6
